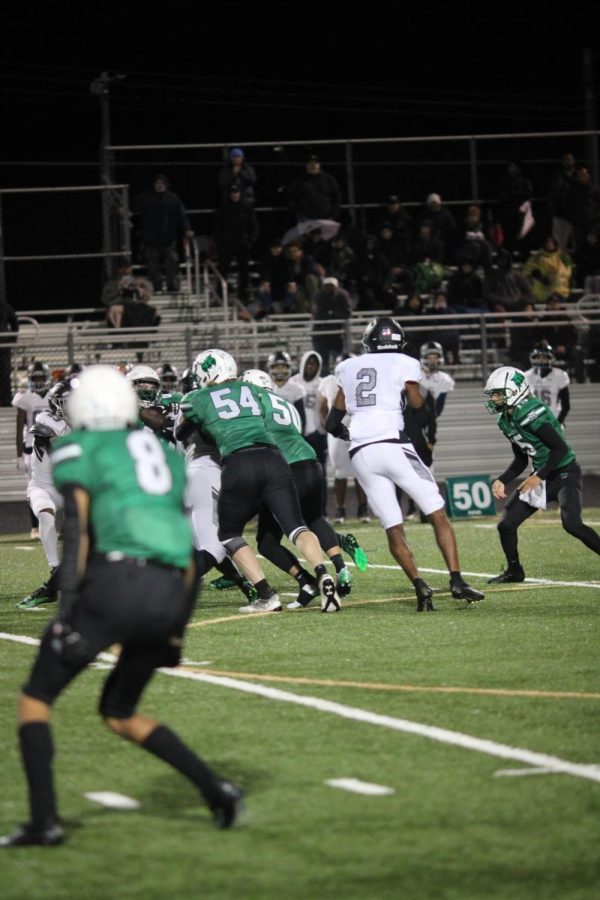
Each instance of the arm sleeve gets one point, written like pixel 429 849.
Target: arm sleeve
pixel 516 467
pixel 439 404
pixel 334 425
pixel 299 404
pixel 558 449
pixel 565 404
pixel 73 533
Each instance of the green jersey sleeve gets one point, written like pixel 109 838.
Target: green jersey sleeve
pixel 72 463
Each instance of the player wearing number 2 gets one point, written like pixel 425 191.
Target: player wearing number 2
pixel 127 577
pixel 535 434
pixel 254 473
pixel 372 388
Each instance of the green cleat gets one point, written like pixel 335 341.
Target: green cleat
pixel 344 582
pixel 37 598
pixel 221 584
pixel 350 545
pixel 249 591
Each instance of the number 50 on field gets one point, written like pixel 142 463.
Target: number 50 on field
pixel 470 495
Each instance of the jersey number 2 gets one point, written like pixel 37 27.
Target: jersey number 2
pixel 365 391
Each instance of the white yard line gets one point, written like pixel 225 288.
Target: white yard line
pixel 355 786
pixel 442 735
pixel 112 800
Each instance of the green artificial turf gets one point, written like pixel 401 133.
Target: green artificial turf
pixel 451 829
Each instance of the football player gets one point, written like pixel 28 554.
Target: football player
pixel 433 380
pixel 153 415
pixel 371 389
pixel 549 384
pixel 536 436
pixel 284 426
pixel 127 577
pixel 338 453
pixel 43 497
pixel 308 378
pixel 253 473
pixel 29 403
pixel 279 367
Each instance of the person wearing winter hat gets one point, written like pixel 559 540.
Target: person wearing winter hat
pixel 237 172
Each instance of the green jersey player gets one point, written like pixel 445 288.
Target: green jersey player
pixel 536 436
pixel 127 577
pixel 254 473
pixel 284 426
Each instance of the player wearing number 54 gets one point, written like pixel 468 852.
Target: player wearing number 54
pixel 535 435
pixel 372 388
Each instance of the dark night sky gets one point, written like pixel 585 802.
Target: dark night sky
pixel 237 72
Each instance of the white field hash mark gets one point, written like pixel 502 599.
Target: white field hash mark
pixel 454 738
pixel 355 786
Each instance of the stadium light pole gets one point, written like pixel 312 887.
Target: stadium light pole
pixel 100 87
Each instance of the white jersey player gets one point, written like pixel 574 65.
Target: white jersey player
pixel 279 367
pixel 433 380
pixel 308 379
pixel 373 389
pixel 29 403
pixel 549 384
pixel 44 500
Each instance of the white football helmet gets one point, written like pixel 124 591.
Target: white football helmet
pixel 146 384
pixel 511 383
pixel 101 399
pixel 432 356
pixel 259 378
pixel 214 365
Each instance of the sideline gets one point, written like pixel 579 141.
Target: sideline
pixel 442 735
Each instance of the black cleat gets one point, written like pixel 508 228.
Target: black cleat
pixel 226 807
pixel 511 575
pixel 27 835
pixel 460 590
pixel 424 597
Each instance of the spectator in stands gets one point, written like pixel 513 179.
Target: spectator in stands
pixel 303 278
pixel 413 309
pixel 425 246
pixel 236 231
pixel 558 331
pixel 138 313
pixel 314 194
pixel 587 262
pixel 164 222
pixel 331 303
pixel 393 249
pixel 342 262
pixel 397 218
pixel 506 289
pixel 372 273
pixel 472 242
pixel 275 293
pixel 582 205
pixel 119 291
pixel 9 324
pixel 320 249
pixel 447 337
pixel 515 189
pixel 550 271
pixel 558 193
pixel 238 172
pixel 524 334
pixel 465 288
pixel 442 224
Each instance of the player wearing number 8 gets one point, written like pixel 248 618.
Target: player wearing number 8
pixel 372 390
pixel 127 577
pixel 254 473
pixel 536 435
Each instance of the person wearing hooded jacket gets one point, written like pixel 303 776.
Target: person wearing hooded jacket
pixel 505 287
pixel 309 378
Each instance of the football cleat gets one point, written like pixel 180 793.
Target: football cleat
pixel 330 602
pixel 512 574
pixel 350 545
pixel 38 598
pixel 249 591
pixel 460 590
pixel 340 515
pixel 28 835
pixel 424 596
pixel 227 807
pixel 363 513
pixel 344 582
pixel 272 604
pixel 221 584
pixel 305 596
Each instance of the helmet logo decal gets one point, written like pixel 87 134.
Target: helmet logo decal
pixel 518 378
pixel 208 363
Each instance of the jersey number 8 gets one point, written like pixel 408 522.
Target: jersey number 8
pixel 151 469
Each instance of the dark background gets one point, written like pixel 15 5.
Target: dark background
pixel 234 73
